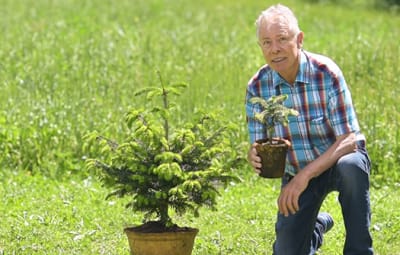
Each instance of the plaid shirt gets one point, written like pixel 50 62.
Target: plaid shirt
pixel 321 96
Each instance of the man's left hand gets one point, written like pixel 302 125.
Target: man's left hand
pixel 288 201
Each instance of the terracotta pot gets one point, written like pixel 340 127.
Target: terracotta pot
pixel 165 243
pixel 273 157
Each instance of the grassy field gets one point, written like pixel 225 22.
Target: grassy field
pixel 44 216
pixel 69 67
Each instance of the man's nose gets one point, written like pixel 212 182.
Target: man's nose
pixel 275 47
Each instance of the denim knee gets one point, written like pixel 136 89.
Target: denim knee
pixel 353 166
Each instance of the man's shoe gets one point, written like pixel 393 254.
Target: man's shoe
pixel 326 221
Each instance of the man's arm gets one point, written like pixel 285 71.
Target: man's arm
pixel 289 197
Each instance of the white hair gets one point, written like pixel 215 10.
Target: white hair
pixel 278 11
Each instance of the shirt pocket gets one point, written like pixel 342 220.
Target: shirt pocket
pixel 321 134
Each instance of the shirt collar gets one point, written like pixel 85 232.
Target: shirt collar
pixel 302 75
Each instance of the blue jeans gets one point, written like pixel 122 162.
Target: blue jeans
pixel 299 234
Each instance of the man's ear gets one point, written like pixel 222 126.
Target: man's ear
pixel 300 38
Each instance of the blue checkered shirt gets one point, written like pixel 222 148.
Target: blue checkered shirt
pixel 323 100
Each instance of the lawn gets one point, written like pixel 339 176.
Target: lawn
pixel 44 216
pixel 70 67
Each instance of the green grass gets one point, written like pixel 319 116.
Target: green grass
pixel 43 216
pixel 70 67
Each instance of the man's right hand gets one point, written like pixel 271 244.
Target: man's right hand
pixel 254 159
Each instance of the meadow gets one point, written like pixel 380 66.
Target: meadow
pixel 70 67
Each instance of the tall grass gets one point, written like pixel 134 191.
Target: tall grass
pixel 69 67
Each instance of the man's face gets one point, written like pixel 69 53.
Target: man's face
pixel 280 47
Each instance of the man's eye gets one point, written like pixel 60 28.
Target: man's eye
pixel 266 43
pixel 282 39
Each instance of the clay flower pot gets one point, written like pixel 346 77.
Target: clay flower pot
pixel 163 243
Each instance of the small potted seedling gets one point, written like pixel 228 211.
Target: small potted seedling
pixel 272 150
pixel 166 167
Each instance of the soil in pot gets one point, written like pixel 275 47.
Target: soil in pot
pixel 152 238
pixel 273 157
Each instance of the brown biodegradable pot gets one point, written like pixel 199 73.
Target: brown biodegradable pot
pixel 273 157
pixel 164 243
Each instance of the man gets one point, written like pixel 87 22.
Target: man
pixel 328 150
